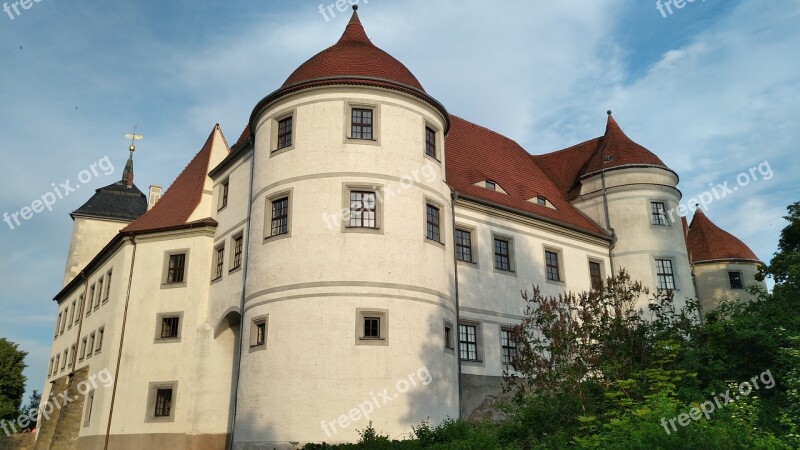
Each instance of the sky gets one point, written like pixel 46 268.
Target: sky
pixel 712 88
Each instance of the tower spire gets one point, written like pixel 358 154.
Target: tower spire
pixel 127 174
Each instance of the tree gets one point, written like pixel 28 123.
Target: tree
pixel 33 404
pixel 785 265
pixel 12 381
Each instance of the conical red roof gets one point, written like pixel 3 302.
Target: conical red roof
pixel 708 242
pixel 354 56
pixel 616 149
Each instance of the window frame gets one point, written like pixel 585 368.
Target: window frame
pixel 429 127
pixel 284 137
pixel 366 125
pixel 741 279
pixel 511 254
pixel 224 190
pixel 255 323
pixel 269 215
pixel 559 265
pixel 477 343
pixel 600 276
pixel 98 342
pixel 159 331
pixel 430 203
pixel 274 148
pixel 659 219
pixel 363 314
pixel 107 294
pixel 88 406
pixel 152 393
pixel 168 254
pixel 347 190
pixel 507 345
pixel 350 105
pixel 219 261
pixel 237 252
pixel 471 245
pixel 449 338
pixel 659 274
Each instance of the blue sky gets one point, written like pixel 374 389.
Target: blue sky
pixel 713 89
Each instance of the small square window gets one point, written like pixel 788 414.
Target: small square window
pixel 284 133
pixel 658 211
pixel 237 252
pixel 361 125
pixel 502 254
pixel 371 327
pixel 280 217
pixel 161 401
pixel 464 245
pixel 541 201
pixel 433 230
pixel 176 268
pixel 736 280
pixel 170 327
pixel 491 185
pixel 430 142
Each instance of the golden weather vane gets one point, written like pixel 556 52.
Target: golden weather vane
pixel 133 137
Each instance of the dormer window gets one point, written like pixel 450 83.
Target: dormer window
pixel 541 201
pixel 491 185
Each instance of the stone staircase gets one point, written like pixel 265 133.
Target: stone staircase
pixel 61 431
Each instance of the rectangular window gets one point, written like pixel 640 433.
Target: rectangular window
pixel 99 344
pixel 433 230
pixel 177 265
pixel 261 333
pixel 541 201
pixel 72 316
pixel 363 206
pixel 736 280
pixel 89 404
pixel 71 355
pixel 92 297
pixel 491 185
pixel 223 194
pixel 502 254
pixel 361 124
pixel 169 327
pixel 448 336
pixel 163 407
pixel 664 274
pixel 90 346
pixel 220 261
pixel 64 360
pixel 58 360
pixel 658 211
pixel 108 286
pixel 430 142
pixel 596 275
pixel 284 133
pixel 237 252
pixel 551 266
pixel 280 216
pixel 100 290
pixel 463 245
pixel 508 345
pixel 80 309
pixel 50 368
pixel 468 342
pixel 58 324
pixel 83 349
pixel 372 327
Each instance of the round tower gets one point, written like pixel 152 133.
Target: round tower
pixel 723 266
pixel 350 274
pixel 634 195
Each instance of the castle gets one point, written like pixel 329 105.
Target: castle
pixel 356 255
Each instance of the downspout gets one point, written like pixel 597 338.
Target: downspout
pixel 454 197
pixel 608 224
pixel 74 361
pixel 240 339
pixel 121 340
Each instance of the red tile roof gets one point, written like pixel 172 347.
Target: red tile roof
pixel 354 56
pixel 708 242
pixel 181 199
pixel 616 149
pixel 475 154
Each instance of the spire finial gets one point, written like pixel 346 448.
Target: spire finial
pixel 127 174
pixel 608 112
pixel 355 7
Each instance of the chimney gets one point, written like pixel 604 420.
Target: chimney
pixel 154 197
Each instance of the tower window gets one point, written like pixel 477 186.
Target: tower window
pixel 361 125
pixel 658 210
pixel 736 280
pixel 280 216
pixel 430 142
pixel 284 133
pixel 372 327
pixel 362 209
pixel 665 274
pixel 433 230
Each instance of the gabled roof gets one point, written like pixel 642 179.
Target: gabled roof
pixel 474 154
pixel 708 242
pixel 182 198
pixel 353 56
pixel 115 201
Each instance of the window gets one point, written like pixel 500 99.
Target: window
pixel 508 345
pixel 89 404
pixel 83 349
pixel 541 201
pixel 491 185
pixel 448 336
pixel 220 260
pixel 284 133
pixel 100 290
pixel 88 306
pixel 595 275
pixel 468 342
pixel 108 286
pixel 502 254
pixel 361 125
pixel 433 230
pixel 92 297
pixel 50 368
pixel 80 310
pixel 99 344
pixel 260 332
pixel 237 252
pixel 463 245
pixel 72 316
pixel 170 327
pixel 736 280
pixel 90 346
pixel 63 322
pixel 223 193
pixel 280 216
pixel 163 407
pixel 664 274
pixel 58 324
pixel 176 268
pixel 71 355
pixel 551 266
pixel 658 211
pixel 363 206
pixel 430 142
pixel 58 360
pixel 64 360
pixel 372 326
